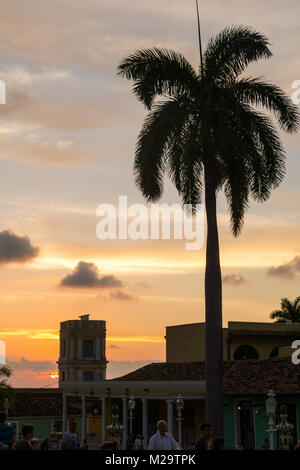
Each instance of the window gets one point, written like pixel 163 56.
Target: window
pixel 63 376
pixel 245 352
pixel 88 348
pixel 274 352
pixel 88 376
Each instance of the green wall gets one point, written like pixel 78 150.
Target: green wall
pixel 229 425
pixel 42 425
pixel 260 419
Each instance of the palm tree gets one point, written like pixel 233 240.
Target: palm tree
pixel 6 390
pixel 206 134
pixel 289 313
pixel 5 373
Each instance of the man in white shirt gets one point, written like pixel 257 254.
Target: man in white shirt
pixel 162 440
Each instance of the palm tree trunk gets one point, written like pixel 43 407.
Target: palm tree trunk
pixel 213 312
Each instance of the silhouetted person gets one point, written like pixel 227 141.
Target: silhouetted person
pixel 27 435
pixel 70 439
pixel 217 444
pixel 205 435
pixel 130 441
pixel 266 444
pixel 110 445
pixel 7 432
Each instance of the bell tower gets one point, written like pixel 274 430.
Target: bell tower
pixel 82 356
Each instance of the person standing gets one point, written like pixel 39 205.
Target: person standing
pixel 205 435
pixel 162 440
pixel 27 435
pixel 266 444
pixel 7 432
pixel 70 439
pixel 217 444
pixel 239 446
pixel 138 443
pixel 130 442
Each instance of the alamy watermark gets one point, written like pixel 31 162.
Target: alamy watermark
pixel 157 222
pixel 2 353
pixel 296 354
pixel 296 93
pixel 2 92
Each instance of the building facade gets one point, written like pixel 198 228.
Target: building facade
pixel 257 364
pixel 82 356
pixel 241 340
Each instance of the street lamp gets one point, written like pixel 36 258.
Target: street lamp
pixel 271 409
pixel 179 405
pixel 131 404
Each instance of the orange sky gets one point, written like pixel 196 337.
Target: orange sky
pixel 67 136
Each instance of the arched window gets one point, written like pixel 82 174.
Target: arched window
pixel 88 376
pixel 274 352
pixel 245 352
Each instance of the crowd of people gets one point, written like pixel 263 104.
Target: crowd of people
pixel 161 440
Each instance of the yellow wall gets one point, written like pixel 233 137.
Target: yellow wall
pixel 94 424
pixel 186 343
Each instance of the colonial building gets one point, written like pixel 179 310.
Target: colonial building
pixel 82 351
pixel 258 365
pixel 155 389
pixel 241 340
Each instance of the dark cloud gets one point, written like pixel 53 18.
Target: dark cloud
pixel 25 364
pixel 287 270
pixel 87 275
pixel 113 346
pixel 15 249
pixel 120 295
pixel 234 279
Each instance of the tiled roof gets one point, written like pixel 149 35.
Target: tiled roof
pixel 45 402
pixel 249 377
pixel 35 402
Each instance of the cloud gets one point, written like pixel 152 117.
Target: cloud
pixel 75 115
pixel 287 270
pixel 25 364
pixel 39 151
pixel 120 295
pixel 234 280
pixel 20 75
pixel 31 334
pixel 87 275
pixel 113 346
pixel 15 249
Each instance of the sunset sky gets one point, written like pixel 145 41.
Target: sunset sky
pixel 67 137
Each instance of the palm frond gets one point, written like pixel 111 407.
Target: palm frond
pixel 229 53
pixel 5 371
pixel 265 154
pixel 184 163
pixel 162 123
pixel 258 92
pixel 158 72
